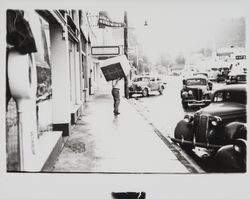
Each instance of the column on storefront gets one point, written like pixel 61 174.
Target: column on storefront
pixel 61 78
pixel 97 74
pixel 89 69
pixel 74 65
pixel 84 77
pixel 90 72
pixel 84 29
pixel 93 70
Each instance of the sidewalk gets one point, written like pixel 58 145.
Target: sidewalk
pixel 102 142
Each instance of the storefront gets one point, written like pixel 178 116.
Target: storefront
pixel 56 77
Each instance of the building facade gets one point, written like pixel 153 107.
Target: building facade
pixel 46 89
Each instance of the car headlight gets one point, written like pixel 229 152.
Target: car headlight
pixel 240 146
pixel 190 92
pixel 184 94
pixel 188 118
pixel 216 120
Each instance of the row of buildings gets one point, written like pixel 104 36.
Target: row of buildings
pixel 227 47
pixel 46 89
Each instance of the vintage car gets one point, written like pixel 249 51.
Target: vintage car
pixel 222 76
pixel 145 85
pixel 196 91
pixel 236 77
pixel 213 73
pixel 219 129
pixel 201 73
pixel 189 71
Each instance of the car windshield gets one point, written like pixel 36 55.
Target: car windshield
pixel 231 96
pixel 194 82
pixel 205 74
pixel 145 79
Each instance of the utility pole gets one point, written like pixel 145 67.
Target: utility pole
pixel 126 34
pixel 126 52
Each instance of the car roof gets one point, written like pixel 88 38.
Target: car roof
pixel 237 73
pixel 201 74
pixel 196 77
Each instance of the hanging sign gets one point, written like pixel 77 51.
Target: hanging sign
pixel 105 21
pixel 105 50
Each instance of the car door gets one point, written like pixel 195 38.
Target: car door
pixel 153 84
pixel 159 83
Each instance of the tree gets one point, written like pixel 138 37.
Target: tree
pixel 206 52
pixel 180 60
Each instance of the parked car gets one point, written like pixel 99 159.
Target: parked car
pixel 201 73
pixel 213 74
pixel 145 85
pixel 222 76
pixel 190 70
pixel 236 77
pixel 218 129
pixel 175 73
pixel 196 91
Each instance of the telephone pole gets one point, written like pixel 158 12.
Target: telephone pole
pixel 126 52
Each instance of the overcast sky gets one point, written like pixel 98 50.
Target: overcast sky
pixel 176 27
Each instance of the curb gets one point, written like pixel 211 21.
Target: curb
pixel 184 158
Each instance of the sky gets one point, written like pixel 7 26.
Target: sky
pixel 176 28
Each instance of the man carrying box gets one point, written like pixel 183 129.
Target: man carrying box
pixel 114 69
pixel 116 94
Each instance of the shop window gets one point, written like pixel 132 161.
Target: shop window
pixel 44 81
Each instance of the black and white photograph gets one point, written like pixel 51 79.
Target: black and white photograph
pixel 143 99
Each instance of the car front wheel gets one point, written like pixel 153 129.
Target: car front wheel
pixel 145 92
pixel 161 90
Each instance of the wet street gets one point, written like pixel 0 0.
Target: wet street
pixel 136 141
pixel 164 111
pixel 103 143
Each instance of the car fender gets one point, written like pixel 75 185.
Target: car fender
pixel 229 160
pixel 210 85
pixel 184 130
pixel 143 87
pixel 183 96
pixel 210 94
pixel 235 130
pixel 161 86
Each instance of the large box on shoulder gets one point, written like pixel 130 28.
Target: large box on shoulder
pixel 116 67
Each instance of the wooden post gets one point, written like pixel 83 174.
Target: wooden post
pixel 126 52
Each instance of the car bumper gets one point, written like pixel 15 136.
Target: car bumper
pixel 236 82
pixel 196 144
pixel 197 102
pixel 135 92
